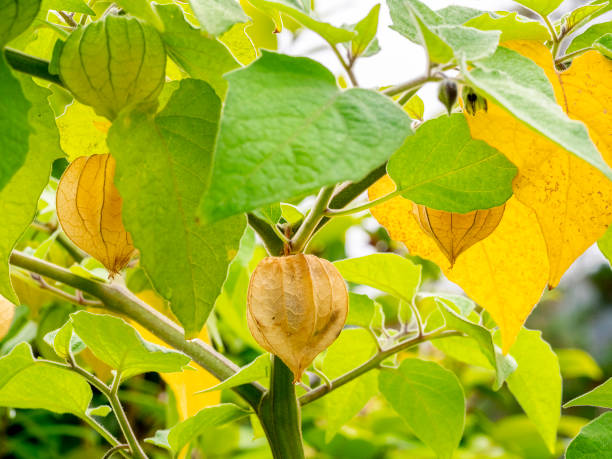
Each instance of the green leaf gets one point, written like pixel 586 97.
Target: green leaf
pixel 415 108
pixel 443 42
pixel 254 371
pixel 361 310
pixel 114 63
pixel 352 348
pixel 457 15
pixel 291 213
pixel 589 36
pixel 604 45
pixel 593 441
pixel 73 6
pixel 576 363
pixel 513 26
pixel 19 198
pixel 536 383
pixel 16 17
pixel 544 7
pixel 181 434
pixel 430 399
pixel 141 9
pixel 442 167
pixel 64 341
pixel 161 191
pixel 28 383
pixel 584 14
pixel 102 411
pixel 600 396
pixel 503 365
pixel 286 130
pixel 519 86
pixel 272 213
pixel 217 16
pixel 605 244
pixel 388 272
pixel 366 31
pixel 299 12
pixel 119 345
pixel 201 57
pixel 14 132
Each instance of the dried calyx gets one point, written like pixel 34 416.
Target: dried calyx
pixel 297 306
pixel 454 232
pixel 89 210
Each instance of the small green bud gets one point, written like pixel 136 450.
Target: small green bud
pixel 472 102
pixel 447 94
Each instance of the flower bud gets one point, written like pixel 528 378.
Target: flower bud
pixel 89 210
pixel 7 312
pixel 454 232
pixel 296 308
pixel 472 102
pixel 447 94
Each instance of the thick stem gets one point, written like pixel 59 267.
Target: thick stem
pixel 280 414
pixel 124 302
pixel 95 425
pixel 123 421
pixel 273 243
pixel 408 85
pixel 31 65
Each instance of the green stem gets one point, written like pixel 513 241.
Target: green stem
pixel 348 67
pixel 122 301
pixel 280 414
pixel 312 220
pixel 273 243
pixel 361 208
pixel 122 419
pixel 31 65
pixel 408 85
pixel 95 425
pixel 570 56
pixel 374 362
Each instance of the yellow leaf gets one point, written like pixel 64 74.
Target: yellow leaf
pixel 82 132
pixel 505 273
pixel 89 210
pixel 572 199
pixel 7 311
pixel 184 385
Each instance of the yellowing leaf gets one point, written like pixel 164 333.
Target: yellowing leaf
pixel 184 385
pixel 82 132
pixel 572 199
pixel 505 273
pixel 7 311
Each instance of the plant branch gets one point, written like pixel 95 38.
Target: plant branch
pixel 570 56
pixel 373 363
pixel 44 285
pixel 95 425
pixel 122 301
pixel 409 85
pixel 312 220
pixel 348 66
pixel 115 449
pixel 272 241
pixel 123 420
pixel 31 65
pixel 361 208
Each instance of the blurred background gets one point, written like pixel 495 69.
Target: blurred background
pixel 576 319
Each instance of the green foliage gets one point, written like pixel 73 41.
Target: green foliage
pixel 260 138
pixel 443 157
pixel 593 441
pixel 19 198
pixel 117 344
pixel 543 7
pixel 605 244
pixel 366 33
pixel 600 396
pixel 28 383
pixel 181 434
pixel 587 38
pixel 430 399
pixel 536 383
pixel 387 272
pixel 64 341
pixel 201 57
pixel 180 145
pixel 17 15
pixel 442 41
pixel 576 363
pixel 513 26
pixel 254 371
pixel 508 79
pixel 217 16
pixel 353 347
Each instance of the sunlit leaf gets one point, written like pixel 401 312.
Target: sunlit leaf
pixel 257 369
pixel 217 16
pixel 593 441
pixel 544 7
pixel 512 26
pixel 16 16
pixel 589 36
pixel 576 363
pixel 600 396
